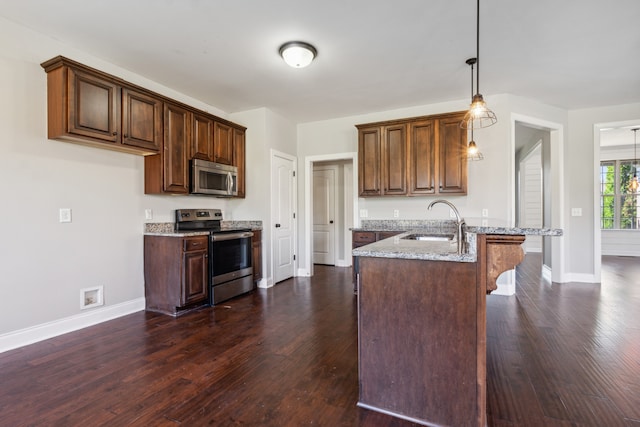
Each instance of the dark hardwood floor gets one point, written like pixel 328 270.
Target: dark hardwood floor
pixel 558 355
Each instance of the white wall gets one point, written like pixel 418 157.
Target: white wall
pixel 266 130
pixel 583 248
pixel 44 263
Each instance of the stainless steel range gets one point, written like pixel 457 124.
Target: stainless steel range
pixel 230 267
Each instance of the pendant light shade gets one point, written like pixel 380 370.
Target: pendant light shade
pixel 479 115
pixel 473 153
pixel 633 185
pixel 298 54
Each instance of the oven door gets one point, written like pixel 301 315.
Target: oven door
pixel 230 256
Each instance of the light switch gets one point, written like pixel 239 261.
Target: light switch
pixel 576 211
pixel 396 213
pixel 364 213
pixel 148 214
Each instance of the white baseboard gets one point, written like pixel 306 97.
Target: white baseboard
pixel 303 272
pixel 579 277
pixel 44 331
pixel 265 283
pixel 343 263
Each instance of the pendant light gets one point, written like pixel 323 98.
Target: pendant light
pixel 479 115
pixel 633 185
pixel 298 54
pixel 472 148
pixel 473 153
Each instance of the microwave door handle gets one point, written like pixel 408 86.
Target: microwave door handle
pixel 229 182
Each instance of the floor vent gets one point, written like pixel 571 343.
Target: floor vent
pixel 91 297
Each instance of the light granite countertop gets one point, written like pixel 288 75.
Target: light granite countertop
pixel 397 247
pixel 168 228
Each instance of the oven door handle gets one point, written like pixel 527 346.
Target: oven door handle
pixel 231 236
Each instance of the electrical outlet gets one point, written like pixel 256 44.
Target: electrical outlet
pixel 148 214
pixel 396 213
pixel 485 213
pixel 65 215
pixel 576 211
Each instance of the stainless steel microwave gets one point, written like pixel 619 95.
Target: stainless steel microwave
pixel 213 178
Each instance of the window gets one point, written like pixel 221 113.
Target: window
pixel 618 205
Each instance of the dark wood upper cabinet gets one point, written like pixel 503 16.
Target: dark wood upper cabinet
pixel 422 157
pixel 141 120
pixel 90 107
pixel 93 108
pixel 419 156
pixel 394 160
pixel 452 146
pixel 369 161
pixel 177 139
pixel 239 159
pixel 202 138
pixel 222 143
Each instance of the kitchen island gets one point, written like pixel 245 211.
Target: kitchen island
pixel 422 323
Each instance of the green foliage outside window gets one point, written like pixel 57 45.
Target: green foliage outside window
pixel 618 204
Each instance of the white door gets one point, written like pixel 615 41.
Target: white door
pixel 324 216
pixel 283 223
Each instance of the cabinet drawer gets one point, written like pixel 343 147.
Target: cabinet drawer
pixel 364 237
pixel 195 243
pixel 386 234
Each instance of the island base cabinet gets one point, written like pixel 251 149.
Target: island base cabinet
pixel 421 338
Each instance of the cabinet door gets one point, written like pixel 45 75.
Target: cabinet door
pixel 422 158
pixel 239 159
pixel 177 137
pixel 141 120
pixel 202 138
pixel 195 281
pixel 369 161
pixel 93 107
pixel 452 147
pixel 222 143
pixel 394 160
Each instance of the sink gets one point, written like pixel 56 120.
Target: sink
pixel 430 237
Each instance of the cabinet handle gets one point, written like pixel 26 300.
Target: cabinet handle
pixel 277 225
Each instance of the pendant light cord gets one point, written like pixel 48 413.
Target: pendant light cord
pixel 477 49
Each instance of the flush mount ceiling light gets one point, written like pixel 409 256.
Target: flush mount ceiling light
pixel 479 115
pixel 298 54
pixel 633 185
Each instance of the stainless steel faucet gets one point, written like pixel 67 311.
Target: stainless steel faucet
pixel 459 220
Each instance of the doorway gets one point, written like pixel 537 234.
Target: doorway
pixel 325 213
pixel 344 219
pixel 528 132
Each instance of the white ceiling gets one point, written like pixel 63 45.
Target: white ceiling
pixel 373 55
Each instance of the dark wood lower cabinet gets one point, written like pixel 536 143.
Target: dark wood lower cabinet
pixel 176 273
pixel 422 333
pixel 361 238
pixel 418 332
pixel 256 250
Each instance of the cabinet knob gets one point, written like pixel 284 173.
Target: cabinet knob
pixel 331 222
